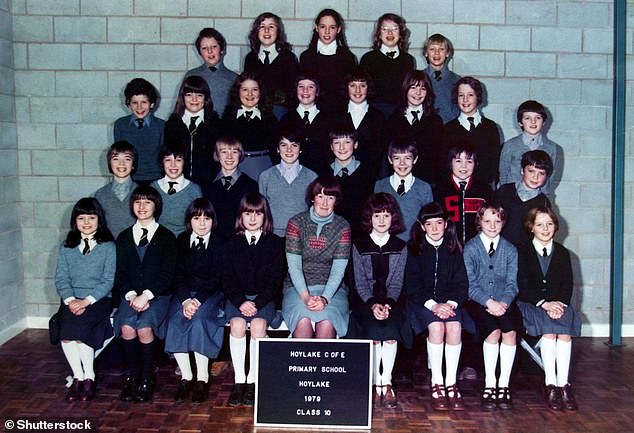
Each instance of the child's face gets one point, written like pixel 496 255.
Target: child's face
pixel 462 166
pixel 381 222
pixel 491 224
pixel 267 32
pixel 201 224
pixel 140 106
pixel 121 165
pixel 532 123
pixel 357 91
pixel 173 166
pixel 143 209
pixel 229 158
pixel 543 228
pixel 402 163
pixel 194 102
pixel 434 228
pixel 467 99
pixel 249 94
pixel 306 92
pixel 390 33
pixel 534 177
pixel 87 224
pixel 324 204
pixel 327 29
pixel 416 94
pixel 210 51
pixel 343 148
pixel 437 54
pixel 252 220
pixel 289 151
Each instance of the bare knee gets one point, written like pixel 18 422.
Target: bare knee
pixel 258 328
pixel 238 327
pixel 128 332
pixel 146 335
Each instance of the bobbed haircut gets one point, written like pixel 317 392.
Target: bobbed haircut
pixel 281 43
pixel 254 202
pixel 402 144
pixel 326 184
pixel 438 38
pixel 87 206
pixel 209 32
pixel 496 209
pixel 307 74
pixel 291 133
pixel 125 147
pixel 462 146
pixel 414 78
pixel 417 233
pixel 176 149
pixel 539 159
pixel 382 202
pixel 529 222
pixel 193 84
pixel 359 74
pixel 140 86
pixel 532 107
pixel 474 83
pixel 343 130
pixel 200 207
pixel 146 192
pixel 404 33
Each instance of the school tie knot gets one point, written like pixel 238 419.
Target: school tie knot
pixel 86 249
pixel 391 54
pixel 305 118
pixel 226 181
pixel 344 172
pixel 267 60
pixel 192 124
pixel 171 190
pixel 491 250
pixel 544 253
pixel 463 185
pixel 253 238
pixel 139 123
pixel 415 118
pixel 143 241
pixel 248 115
pixel 401 188
pixel 213 68
pixel 437 75
pixel 200 245
pixel 471 123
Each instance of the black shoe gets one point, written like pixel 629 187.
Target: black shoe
pixel 504 400
pixel 74 392
pixel 128 393
pixel 488 399
pixel 248 396
pixel 569 401
pixel 88 390
pixel 145 391
pixel 183 391
pixel 235 399
pixel 200 392
pixel 553 397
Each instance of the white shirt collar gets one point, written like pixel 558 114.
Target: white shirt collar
pixel 272 53
pixel 539 247
pixel 137 231
pixel 395 181
pixel 312 111
pixel 92 243
pixel 248 234
pixel 462 118
pixel 255 110
pixel 486 241
pixel 193 239
pixel 385 49
pixel 380 241
pixel 188 115
pixel 327 50
pixel 180 184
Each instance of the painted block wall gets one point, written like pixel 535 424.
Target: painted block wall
pixel 73 57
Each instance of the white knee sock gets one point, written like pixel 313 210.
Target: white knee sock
pixel 87 355
pixel 490 352
pixel 378 354
pixel 507 356
pixel 71 351
pixel 564 351
pixel 238 349
pixel 202 367
pixel 452 356
pixel 388 358
pixel 547 347
pixel 434 355
pixel 252 366
pixel 182 359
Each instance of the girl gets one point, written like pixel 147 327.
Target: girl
pixel 146 257
pixel 85 273
pixel 491 263
pixel 195 125
pixel 416 118
pixel 271 57
pixel 193 317
pixel 545 284
pixel 437 287
pixel 251 122
pixel 379 265
pixel 388 62
pixel 253 272
pixel 329 56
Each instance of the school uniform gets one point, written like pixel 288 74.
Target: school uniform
pixel 511 157
pixel 147 138
pixel 114 198
pixel 220 81
pixel 443 82
pixel 356 184
pixel 175 204
pixel 368 122
pixel 278 77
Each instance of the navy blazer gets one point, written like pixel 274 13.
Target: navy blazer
pixel 555 285
pixel 197 271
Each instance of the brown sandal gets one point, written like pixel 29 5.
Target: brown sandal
pixel 455 398
pixel 439 401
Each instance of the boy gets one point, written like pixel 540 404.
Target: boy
pixel 211 47
pixel 229 185
pixel 410 192
pixel 438 51
pixel 531 116
pixel 115 196
pixel 520 197
pixel 176 191
pixel 142 129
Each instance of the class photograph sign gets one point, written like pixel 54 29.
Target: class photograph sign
pixel 314 383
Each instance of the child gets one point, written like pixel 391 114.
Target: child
pixel 142 129
pixel 410 192
pixel 329 56
pixel 388 62
pixel 271 57
pixel 212 47
pixel 85 273
pixel 193 317
pixel 438 51
pixel 379 266
pixel 146 257
pixel 436 285
pixel 491 263
pixel 115 196
pixel 284 185
pixel 520 197
pixel 249 119
pixel 545 284
pixel 229 186
pixel 176 191
pixel 253 272
pixel 460 193
pixel 415 118
pixel 194 125
pixel 472 126
pixel 531 116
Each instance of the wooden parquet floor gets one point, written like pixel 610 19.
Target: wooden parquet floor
pixel 32 387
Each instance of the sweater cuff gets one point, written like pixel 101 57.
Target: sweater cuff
pixel 69 300
pixel 149 294
pixel 91 299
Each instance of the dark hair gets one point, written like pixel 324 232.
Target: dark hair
pixel 413 78
pixel 417 233
pixel 200 207
pixel 533 107
pixel 341 36
pixel 281 44
pixel 474 83
pixel 140 86
pixel 403 31
pixel 254 201
pixel 343 130
pixel 146 192
pixel 437 38
pixel 175 148
pixel 326 183
pixel 402 144
pixel 496 209
pixel 234 97
pixel 209 32
pixel 382 202
pixel 359 74
pixel 193 84
pixel 87 206
pixel 307 74
pixel 462 146
pixel 529 222
pixel 538 158
pixel 291 132
pixel 122 146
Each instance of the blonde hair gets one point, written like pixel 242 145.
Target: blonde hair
pixel 228 142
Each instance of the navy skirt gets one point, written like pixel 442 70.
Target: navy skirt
pixel 420 317
pixel 267 312
pixel 154 317
pixel 537 322
pixel 363 325
pixel 92 327
pixel 487 323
